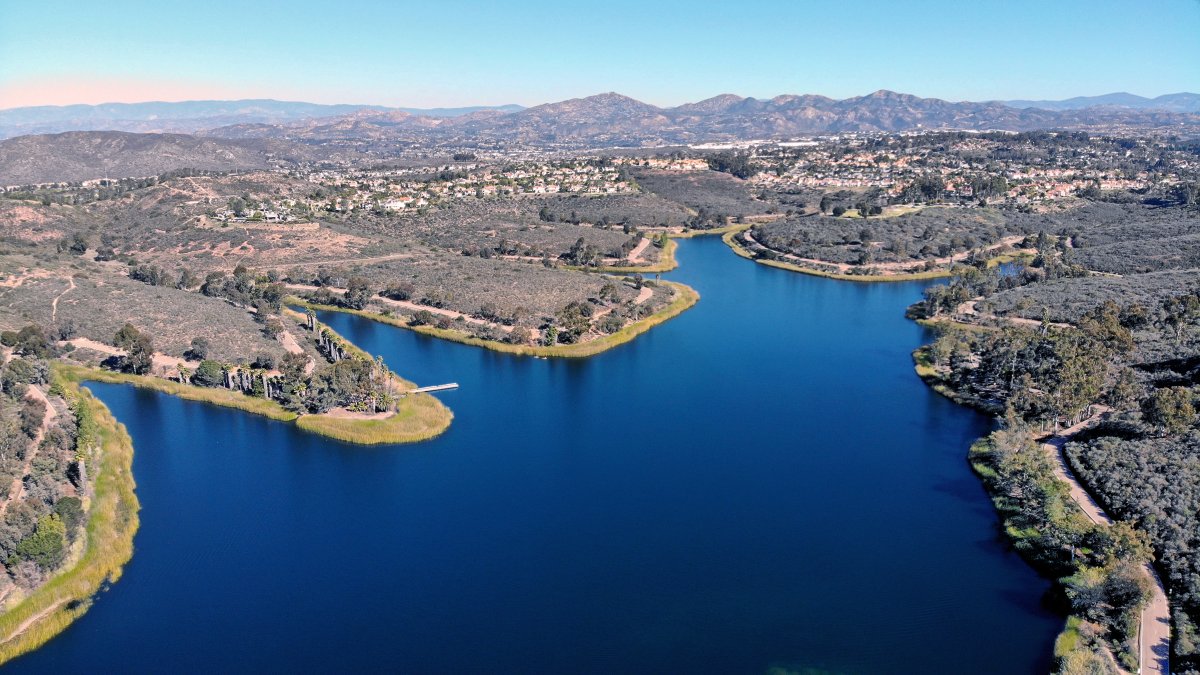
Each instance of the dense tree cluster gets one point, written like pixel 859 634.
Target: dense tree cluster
pixel 42 474
pixel 1141 462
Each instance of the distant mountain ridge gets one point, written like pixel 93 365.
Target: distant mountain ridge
pixel 371 133
pixel 1180 102
pixel 190 116
pixel 611 119
pixel 882 110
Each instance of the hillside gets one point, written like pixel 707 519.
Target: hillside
pixel 610 119
pixel 86 155
pixel 188 116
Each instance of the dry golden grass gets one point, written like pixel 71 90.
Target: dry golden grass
pixel 108 546
pixel 685 298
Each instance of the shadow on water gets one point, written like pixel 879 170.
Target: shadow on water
pixel 761 480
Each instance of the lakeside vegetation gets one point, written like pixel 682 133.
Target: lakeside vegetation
pixel 1097 568
pixel 731 241
pixel 1130 370
pixel 107 545
pixel 418 417
pixel 685 298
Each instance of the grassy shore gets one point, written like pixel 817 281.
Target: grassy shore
pixel 217 396
pixel 666 263
pixel 418 418
pixel 732 243
pixel 685 297
pixel 924 275
pixel 714 232
pixel 108 536
pixel 923 365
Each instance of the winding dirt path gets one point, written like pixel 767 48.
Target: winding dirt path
pixel 635 256
pixel 901 266
pixel 970 308
pixel 337 261
pixel 34 619
pixel 54 302
pixel 17 489
pixel 1154 635
pixel 292 347
pixel 410 306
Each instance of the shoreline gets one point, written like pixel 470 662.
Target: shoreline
pixel 422 420
pixel 1069 640
pixel 666 263
pixel 108 544
pixel 685 299
pixel 928 275
pixel 732 243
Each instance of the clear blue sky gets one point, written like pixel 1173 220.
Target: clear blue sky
pixel 460 53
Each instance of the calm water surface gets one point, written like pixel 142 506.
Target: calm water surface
pixel 760 482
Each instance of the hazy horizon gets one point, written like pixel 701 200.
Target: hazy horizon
pixel 531 105
pixel 470 53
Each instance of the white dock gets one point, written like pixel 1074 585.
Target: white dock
pixel 436 387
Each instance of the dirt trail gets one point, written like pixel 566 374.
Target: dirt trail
pixel 160 362
pixel 635 256
pixel 17 489
pixel 54 302
pixel 411 307
pixel 87 343
pixel 970 308
pixel 34 619
pixel 293 347
pixel 898 267
pixel 1154 635
pixel 374 259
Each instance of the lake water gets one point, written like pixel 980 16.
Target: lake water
pixel 762 481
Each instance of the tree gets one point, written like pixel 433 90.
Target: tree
pixel 200 349
pixel 422 317
pixel 47 546
pixel 188 280
pixel 79 243
pixel 399 290
pixel 140 357
pixel 273 328
pixel 826 202
pixel 293 366
pixel 126 336
pixel 209 374
pixel 1171 410
pixel 839 211
pixel 358 292
pixel 31 341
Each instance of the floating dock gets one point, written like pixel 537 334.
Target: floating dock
pixel 436 387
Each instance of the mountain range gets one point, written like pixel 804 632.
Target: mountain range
pixel 267 132
pixel 610 120
pixel 188 116
pixel 1181 102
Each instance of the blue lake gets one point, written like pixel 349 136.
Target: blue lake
pixel 762 481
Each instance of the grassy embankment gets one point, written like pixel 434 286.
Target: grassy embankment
pixel 419 417
pixel 1077 648
pixel 108 535
pixel 684 299
pixel 924 275
pixel 666 260
pixel 1038 523
pixel 666 263
pixel 732 243
pixel 923 364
